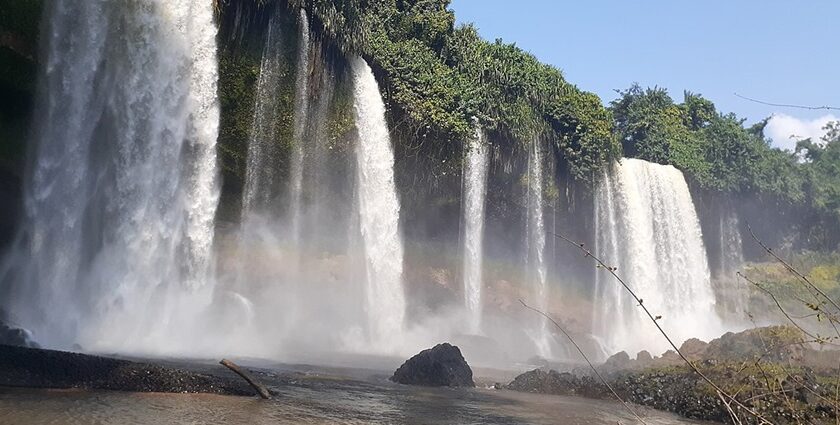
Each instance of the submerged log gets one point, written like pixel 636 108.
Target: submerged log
pixel 261 389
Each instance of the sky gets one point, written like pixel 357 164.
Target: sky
pixel 772 50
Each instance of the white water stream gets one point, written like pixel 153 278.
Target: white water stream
pixel 648 228
pixel 379 210
pixel 475 191
pixel 120 202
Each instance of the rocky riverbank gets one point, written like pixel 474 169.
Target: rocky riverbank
pixel 770 370
pixel 39 368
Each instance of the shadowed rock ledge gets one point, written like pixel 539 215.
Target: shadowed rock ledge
pixel 38 368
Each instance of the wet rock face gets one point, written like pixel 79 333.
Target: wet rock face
pixel 16 336
pixel 13 335
pixel 440 366
pixel 617 361
pixel 553 382
pixel 773 343
pixel 671 390
pixel 694 348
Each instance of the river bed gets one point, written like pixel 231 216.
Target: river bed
pixel 316 396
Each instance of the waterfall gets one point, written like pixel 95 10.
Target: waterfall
pixel 323 209
pixel 379 209
pixel 647 227
pixel 535 253
pixel 301 106
pixel 731 245
pixel 260 194
pixel 475 189
pixel 122 191
pixel 732 294
pixel 281 262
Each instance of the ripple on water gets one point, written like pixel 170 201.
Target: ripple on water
pixel 320 402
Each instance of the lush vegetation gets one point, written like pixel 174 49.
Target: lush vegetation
pixel 720 154
pixel 822 269
pixel 713 148
pixel 439 80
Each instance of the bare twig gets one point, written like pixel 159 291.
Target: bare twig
pixel 653 319
pixel 779 305
pixel 784 105
pixel 735 419
pixel 836 398
pixel 830 316
pixel 591 366
pixel 792 270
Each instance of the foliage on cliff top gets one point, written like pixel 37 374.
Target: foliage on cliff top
pixel 440 79
pixel 718 152
pixel 713 148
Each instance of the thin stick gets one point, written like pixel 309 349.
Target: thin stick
pixel 591 366
pixel 791 269
pixel 735 419
pixel 829 316
pixel 653 319
pixel 783 105
pixel 779 305
pixel 261 389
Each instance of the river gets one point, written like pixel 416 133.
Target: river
pixel 315 395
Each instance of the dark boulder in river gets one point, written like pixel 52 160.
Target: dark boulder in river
pixel 440 366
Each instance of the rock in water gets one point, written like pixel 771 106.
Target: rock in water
pixel 540 381
pixel 617 361
pixel 16 336
pixel 553 382
pixel 440 366
pixel 13 335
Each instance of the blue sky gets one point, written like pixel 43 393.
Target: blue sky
pixel 773 50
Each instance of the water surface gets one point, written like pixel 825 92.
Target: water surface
pixel 316 398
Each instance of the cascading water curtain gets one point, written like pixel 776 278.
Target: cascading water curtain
pixel 300 118
pixel 537 269
pixel 475 191
pixel 260 194
pixel 121 197
pixel 648 228
pixel 379 212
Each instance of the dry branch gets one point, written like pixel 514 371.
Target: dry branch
pixel 793 271
pixel 832 319
pixel 653 319
pixel 261 389
pixel 782 309
pixel 591 366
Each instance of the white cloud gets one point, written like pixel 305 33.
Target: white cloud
pixel 785 130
